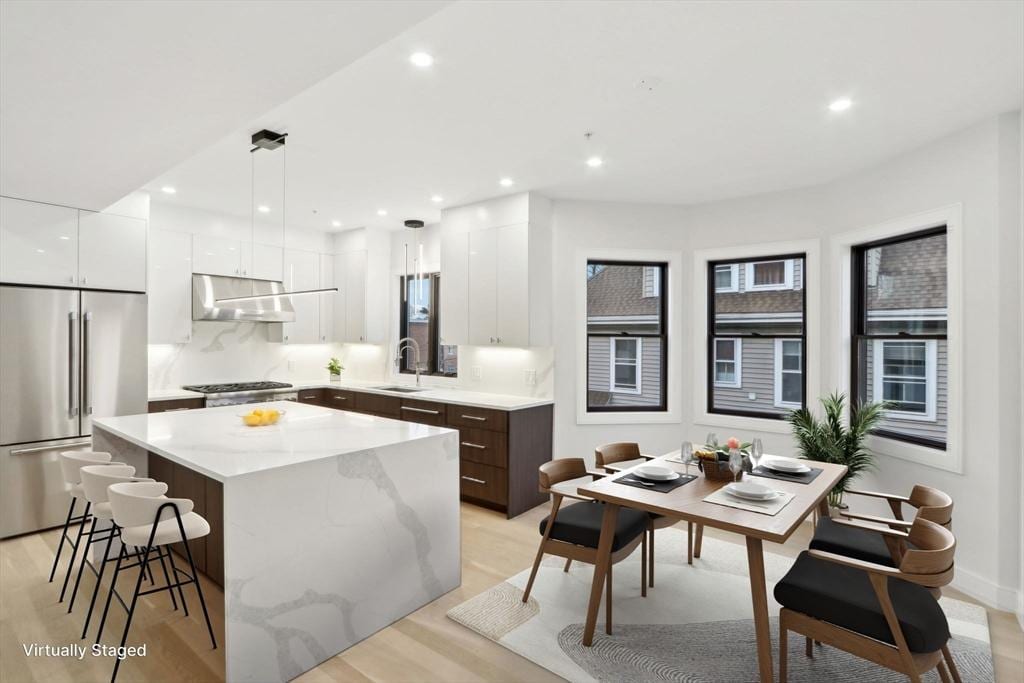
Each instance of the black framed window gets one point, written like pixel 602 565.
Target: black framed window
pixel 420 320
pixel 756 344
pixel 627 366
pixel 899 340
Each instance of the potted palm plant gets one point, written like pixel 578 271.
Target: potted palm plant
pixel 829 440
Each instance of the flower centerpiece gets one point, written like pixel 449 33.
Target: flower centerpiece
pixel 713 458
pixel 335 367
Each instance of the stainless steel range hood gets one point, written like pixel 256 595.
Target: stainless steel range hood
pixel 208 289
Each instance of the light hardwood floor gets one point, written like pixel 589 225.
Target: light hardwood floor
pixel 425 646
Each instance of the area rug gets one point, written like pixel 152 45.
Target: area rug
pixel 696 624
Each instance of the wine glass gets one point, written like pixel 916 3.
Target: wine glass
pixel 711 439
pixel 756 453
pixel 686 455
pixel 735 463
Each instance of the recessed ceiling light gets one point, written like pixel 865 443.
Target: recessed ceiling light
pixel 263 208
pixel 594 162
pixel 842 104
pixel 167 189
pixel 382 212
pixel 64 237
pixel 506 182
pixel 437 199
pixel 336 224
pixel 421 59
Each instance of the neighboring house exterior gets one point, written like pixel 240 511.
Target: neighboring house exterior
pixel 623 370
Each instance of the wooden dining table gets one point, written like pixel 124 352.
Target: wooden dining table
pixel 686 503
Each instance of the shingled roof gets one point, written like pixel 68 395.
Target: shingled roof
pixel 911 275
pixel 618 290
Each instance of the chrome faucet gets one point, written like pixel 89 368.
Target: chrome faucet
pixel 410 343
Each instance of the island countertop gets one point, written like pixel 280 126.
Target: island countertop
pixel 215 442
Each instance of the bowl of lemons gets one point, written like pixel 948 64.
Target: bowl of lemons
pixel 261 417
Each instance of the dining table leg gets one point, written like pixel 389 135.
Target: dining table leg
pixel 604 560
pixel 759 595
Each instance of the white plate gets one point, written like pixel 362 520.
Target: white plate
pixel 786 465
pixel 675 475
pixel 750 491
pixel 656 473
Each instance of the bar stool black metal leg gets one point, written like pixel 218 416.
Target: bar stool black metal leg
pixel 199 588
pixel 174 572
pixel 63 535
pixel 99 579
pixel 81 565
pixel 131 609
pixel 74 551
pixel 167 578
pixel 113 586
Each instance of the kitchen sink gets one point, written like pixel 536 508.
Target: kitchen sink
pixel 401 390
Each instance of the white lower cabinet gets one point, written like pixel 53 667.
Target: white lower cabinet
pixel 38 243
pixel 170 287
pixel 301 272
pixel 111 252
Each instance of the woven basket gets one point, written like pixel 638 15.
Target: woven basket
pixel 717 470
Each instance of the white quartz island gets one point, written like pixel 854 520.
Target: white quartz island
pixel 336 524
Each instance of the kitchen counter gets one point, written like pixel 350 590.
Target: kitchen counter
pixel 460 397
pixel 334 524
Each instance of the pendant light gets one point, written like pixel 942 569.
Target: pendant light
pixel 413 227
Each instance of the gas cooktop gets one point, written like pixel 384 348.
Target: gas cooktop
pixel 235 386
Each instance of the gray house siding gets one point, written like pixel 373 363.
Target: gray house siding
pixel 757 377
pixel 599 374
pixel 936 429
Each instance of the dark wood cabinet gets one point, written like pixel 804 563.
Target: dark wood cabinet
pixel 314 396
pixel 478 418
pixel 424 412
pixel 176 404
pixel 207 495
pixel 341 399
pixel 376 404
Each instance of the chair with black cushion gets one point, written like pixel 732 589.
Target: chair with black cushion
pixel 844 537
pixel 626 454
pixel 887 615
pixel 576 530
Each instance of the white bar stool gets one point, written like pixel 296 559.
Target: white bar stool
pixel 150 520
pixel 71 462
pixel 95 480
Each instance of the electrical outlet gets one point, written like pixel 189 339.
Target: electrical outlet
pixel 477 373
pixel 752 396
pixel 291 365
pixel 530 377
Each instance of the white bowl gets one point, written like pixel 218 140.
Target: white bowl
pixel 750 490
pixel 655 472
pixel 786 465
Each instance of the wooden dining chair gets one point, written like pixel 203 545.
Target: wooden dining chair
pixel 842 536
pixel 624 452
pixel 885 614
pixel 576 529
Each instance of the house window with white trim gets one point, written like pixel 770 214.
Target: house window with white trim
pixel 789 372
pixel 626 369
pixel 756 333
pixel 728 355
pixel 627 334
pixel 899 334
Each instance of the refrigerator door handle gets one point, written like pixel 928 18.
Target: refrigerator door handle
pixel 72 411
pixel 86 364
pixel 40 449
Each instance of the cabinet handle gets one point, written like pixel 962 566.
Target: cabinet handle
pixel 421 410
pixel 84 279
pixel 467 444
pixel 40 449
pixel 474 480
pixel 174 410
pixel 72 279
pixel 475 417
pixel 340 398
pixel 72 411
pixel 492 340
pixel 307 396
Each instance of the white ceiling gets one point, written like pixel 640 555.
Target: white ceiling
pixel 100 96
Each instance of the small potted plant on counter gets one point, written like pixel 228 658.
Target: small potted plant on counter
pixel 335 367
pixel 713 458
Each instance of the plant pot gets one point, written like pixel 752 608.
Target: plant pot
pixel 335 377
pixel 835 500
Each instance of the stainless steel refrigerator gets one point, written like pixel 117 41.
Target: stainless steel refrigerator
pixel 66 357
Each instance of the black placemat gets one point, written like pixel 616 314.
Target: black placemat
pixel 659 486
pixel 799 478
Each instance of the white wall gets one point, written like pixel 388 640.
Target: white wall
pixel 978 167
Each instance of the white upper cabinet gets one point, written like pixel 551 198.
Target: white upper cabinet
pixel 302 272
pixel 170 287
pixel 349 307
pixel 496 273
pixel 216 256
pixel 38 243
pixel 326 301
pixel 111 252
pixel 266 263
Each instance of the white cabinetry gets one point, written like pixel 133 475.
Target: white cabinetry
pixel 326 301
pixel 170 287
pixel 350 301
pixel 301 272
pixel 216 256
pixel 266 262
pixel 111 251
pixel 43 244
pixel 496 273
